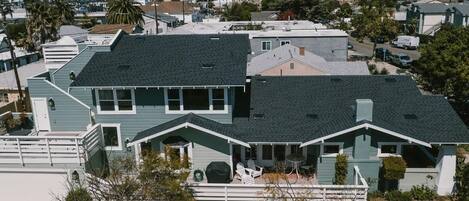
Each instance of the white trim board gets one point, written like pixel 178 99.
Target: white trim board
pixel 366 126
pixel 119 136
pixel 185 125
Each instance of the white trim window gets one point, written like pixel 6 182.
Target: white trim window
pixel 284 42
pixel 112 136
pixel 332 149
pixel 266 45
pixel 386 149
pixel 115 101
pixel 199 101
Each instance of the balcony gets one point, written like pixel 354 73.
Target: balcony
pixel 51 147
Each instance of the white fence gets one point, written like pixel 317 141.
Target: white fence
pixel 50 149
pixel 241 192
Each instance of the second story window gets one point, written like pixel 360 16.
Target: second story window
pixel 266 45
pixel 196 100
pixel 115 101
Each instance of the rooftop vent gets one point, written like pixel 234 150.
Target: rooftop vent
pixel 390 79
pixel 214 38
pixel 335 79
pixel 410 116
pixel 258 116
pixel 262 80
pixel 123 67
pixel 208 66
pixel 311 116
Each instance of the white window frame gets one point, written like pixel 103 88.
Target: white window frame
pixel 210 99
pixel 266 41
pixel 285 42
pixel 119 136
pixel 341 149
pixel 116 105
pixel 398 149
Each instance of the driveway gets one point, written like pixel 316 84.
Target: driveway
pixel 366 48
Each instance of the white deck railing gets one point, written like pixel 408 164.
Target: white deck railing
pixel 50 149
pixel 241 192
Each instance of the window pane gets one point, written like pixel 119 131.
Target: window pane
pixel 173 105
pixel 195 99
pixel 389 149
pixel 105 95
pixel 279 152
pixel 106 105
pixel 266 152
pixel 110 136
pixel 124 95
pixel 331 149
pixel 124 105
pixel 218 94
pixel 218 105
pixel 173 93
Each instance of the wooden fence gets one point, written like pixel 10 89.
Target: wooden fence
pixel 54 148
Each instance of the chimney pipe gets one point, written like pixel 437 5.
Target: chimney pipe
pixel 302 51
pixel 364 110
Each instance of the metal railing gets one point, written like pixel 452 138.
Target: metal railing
pixel 50 149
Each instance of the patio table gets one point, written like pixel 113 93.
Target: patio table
pixel 295 160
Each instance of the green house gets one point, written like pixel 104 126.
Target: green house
pixel 191 93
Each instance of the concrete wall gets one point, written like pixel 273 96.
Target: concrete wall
pixel 331 48
pixel 418 176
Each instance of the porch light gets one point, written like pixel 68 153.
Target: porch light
pixel 51 103
pixel 72 76
pixel 126 142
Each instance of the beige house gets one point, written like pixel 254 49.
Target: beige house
pixel 288 60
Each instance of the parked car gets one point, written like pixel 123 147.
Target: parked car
pixel 406 42
pixel 383 54
pixel 401 60
pixel 350 46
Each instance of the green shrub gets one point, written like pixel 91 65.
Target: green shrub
pixel 341 166
pixel 422 192
pixel 78 194
pixel 394 168
pixel 397 196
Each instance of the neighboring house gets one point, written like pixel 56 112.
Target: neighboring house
pixel 76 33
pixel 290 60
pixel 165 22
pixel 58 53
pixel 9 89
pixel 331 44
pixel 173 8
pixel 104 33
pixel 137 97
pixel 265 15
pixel 461 15
pixel 23 57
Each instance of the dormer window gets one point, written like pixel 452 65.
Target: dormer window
pixel 196 101
pixel 115 101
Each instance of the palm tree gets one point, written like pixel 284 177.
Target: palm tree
pixel 64 10
pixel 124 12
pixel 5 9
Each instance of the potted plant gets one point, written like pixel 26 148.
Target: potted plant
pixel 393 169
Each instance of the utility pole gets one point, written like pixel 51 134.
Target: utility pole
pixel 156 15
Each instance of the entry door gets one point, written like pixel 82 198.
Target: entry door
pixel 41 114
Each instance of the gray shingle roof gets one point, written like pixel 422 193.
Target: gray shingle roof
pixel 433 7
pixel 169 60
pixel 463 8
pixel 300 109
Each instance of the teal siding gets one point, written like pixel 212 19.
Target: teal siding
pixel 206 148
pixel 150 111
pixel 69 115
pixel 458 18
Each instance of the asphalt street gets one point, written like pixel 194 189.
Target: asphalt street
pixel 366 48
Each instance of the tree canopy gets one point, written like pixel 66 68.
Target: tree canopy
pixel 238 11
pixel 443 67
pixel 5 9
pixel 124 12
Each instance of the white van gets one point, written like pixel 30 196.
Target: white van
pixel 406 42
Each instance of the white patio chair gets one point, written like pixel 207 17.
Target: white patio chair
pixel 241 171
pixel 254 169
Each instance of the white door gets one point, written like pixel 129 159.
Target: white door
pixel 41 114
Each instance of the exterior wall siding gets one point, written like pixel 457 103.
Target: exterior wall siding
pixel 418 176
pixel 150 112
pixel 69 115
pixel 331 48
